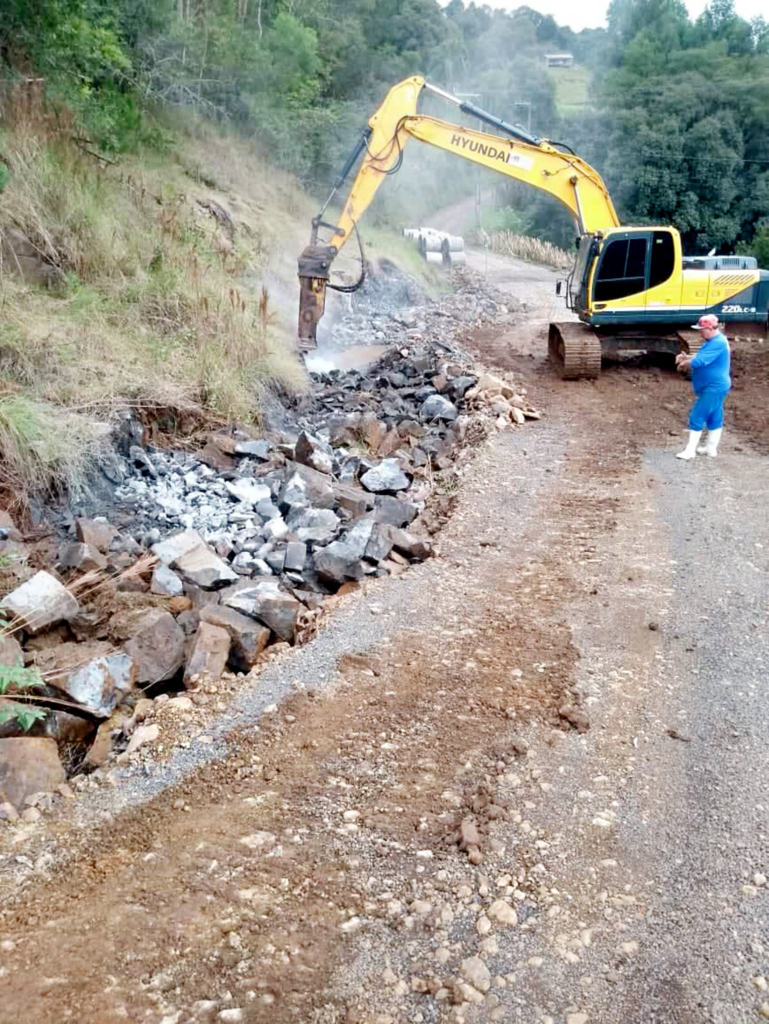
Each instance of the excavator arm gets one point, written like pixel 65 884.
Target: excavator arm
pixel 519 155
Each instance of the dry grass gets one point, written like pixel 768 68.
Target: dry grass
pixel 509 244
pixel 160 295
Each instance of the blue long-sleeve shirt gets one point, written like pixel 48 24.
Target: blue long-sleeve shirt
pixel 710 366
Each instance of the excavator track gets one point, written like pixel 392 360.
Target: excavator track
pixel 691 341
pixel 575 350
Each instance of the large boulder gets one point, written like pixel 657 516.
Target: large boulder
pixel 41 602
pixel 313 524
pixel 264 600
pixel 387 477
pixel 96 533
pixel 28 765
pixel 343 559
pixel 248 638
pixel 248 490
pixel 156 647
pixel 101 684
pixel 210 652
pixel 310 452
pixel 393 511
pixel 205 568
pixel 306 487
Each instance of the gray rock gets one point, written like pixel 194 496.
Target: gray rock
pixel 306 487
pixel 243 563
pixel 248 490
pixel 380 544
pixel 203 567
pixel 165 582
pixel 98 533
pixel 408 544
pixel 210 652
pixel 387 476
pixel 258 449
pixel 276 560
pixel 353 499
pixel 156 647
pixel 342 559
pixel 190 620
pixel 436 407
pixel 313 524
pixel 173 547
pixel 40 602
pixel 393 511
pixel 248 638
pixel 139 458
pixel 266 510
pixel 296 556
pixel 101 684
pixel 10 650
pixel 82 557
pixel 274 529
pixel 310 452
pixel 459 386
pixel 264 600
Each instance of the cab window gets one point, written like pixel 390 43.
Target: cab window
pixel 663 259
pixel 622 270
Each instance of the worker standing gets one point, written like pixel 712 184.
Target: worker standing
pixel 711 382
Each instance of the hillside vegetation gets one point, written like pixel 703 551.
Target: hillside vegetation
pixel 161 162
pixel 167 284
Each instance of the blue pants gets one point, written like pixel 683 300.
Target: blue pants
pixel 708 410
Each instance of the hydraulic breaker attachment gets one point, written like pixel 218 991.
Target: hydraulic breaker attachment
pixel 314 264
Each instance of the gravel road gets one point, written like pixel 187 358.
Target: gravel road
pixel 299 863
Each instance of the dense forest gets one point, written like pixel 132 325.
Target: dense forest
pixel 674 113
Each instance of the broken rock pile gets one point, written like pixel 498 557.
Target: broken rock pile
pixel 337 498
pixel 392 309
pixel 217 556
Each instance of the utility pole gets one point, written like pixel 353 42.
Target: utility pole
pixel 527 104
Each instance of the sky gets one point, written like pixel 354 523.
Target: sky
pixel 592 13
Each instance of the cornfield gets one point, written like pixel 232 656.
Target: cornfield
pixel 509 244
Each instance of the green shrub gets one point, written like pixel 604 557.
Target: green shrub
pixel 16 679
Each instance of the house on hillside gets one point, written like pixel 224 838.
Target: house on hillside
pixel 559 60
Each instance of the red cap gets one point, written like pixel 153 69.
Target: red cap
pixel 706 320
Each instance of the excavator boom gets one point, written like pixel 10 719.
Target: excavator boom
pixel 519 155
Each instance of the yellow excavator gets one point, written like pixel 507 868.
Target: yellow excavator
pixel 631 287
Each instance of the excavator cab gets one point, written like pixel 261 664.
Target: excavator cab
pixel 622 271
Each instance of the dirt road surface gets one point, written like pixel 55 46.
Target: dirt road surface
pixel 581 671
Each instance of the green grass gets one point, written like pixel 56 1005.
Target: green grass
pixel 572 89
pixel 381 243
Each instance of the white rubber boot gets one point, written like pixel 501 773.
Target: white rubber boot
pixel 690 450
pixel 711 446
